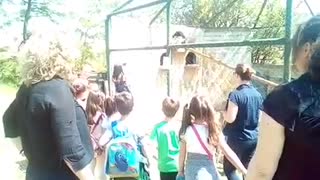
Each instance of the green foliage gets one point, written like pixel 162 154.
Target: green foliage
pixel 237 14
pixel 91 58
pixel 269 28
pixel 9 68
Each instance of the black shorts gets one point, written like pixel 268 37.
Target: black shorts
pixel 168 175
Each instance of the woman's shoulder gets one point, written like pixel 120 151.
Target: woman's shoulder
pixel 53 87
pixel 288 91
pixel 282 104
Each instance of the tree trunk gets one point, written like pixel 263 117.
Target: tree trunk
pixel 27 16
pixel 260 12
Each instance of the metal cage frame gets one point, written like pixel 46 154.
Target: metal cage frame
pixel 285 41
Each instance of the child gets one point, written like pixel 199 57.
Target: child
pixel 96 115
pixel 80 89
pixel 200 135
pixel 124 151
pixel 110 109
pixel 165 134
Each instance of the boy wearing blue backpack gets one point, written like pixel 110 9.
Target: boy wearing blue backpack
pixel 125 155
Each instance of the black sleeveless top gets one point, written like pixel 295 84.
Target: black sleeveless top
pixel 296 106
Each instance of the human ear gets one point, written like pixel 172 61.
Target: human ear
pixel 307 51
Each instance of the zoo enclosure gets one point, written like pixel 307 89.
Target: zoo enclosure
pixel 285 41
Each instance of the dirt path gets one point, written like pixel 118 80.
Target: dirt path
pixel 12 164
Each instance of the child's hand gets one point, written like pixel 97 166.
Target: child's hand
pixel 244 172
pixel 148 163
pixel 180 176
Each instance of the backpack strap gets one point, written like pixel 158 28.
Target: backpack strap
pixel 98 122
pixel 113 126
pixel 201 142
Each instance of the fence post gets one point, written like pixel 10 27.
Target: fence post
pixel 287 47
pixel 107 41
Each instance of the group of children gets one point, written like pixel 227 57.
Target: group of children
pixel 118 150
pixel 185 149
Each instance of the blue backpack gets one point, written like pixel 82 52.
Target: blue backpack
pixel 123 155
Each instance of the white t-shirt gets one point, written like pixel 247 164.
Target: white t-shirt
pixel 123 125
pixel 108 120
pixel 193 144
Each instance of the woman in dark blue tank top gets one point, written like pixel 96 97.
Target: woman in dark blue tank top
pixel 289 139
pixel 242 117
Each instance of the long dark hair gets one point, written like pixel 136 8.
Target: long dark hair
pixel 95 103
pixel 117 71
pixel 309 32
pixel 110 106
pixel 199 108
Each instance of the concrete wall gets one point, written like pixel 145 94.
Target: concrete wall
pixel 208 77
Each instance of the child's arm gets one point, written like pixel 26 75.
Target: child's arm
pixel 182 157
pixel 105 138
pixel 153 144
pixel 144 152
pixel 230 155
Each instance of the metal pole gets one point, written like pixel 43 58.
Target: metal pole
pixel 311 12
pixel 168 49
pixel 122 6
pixel 138 7
pixel 287 47
pixel 158 14
pixel 107 32
pixel 261 42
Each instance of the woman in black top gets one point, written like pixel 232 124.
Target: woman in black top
pixel 289 140
pixel 43 114
pixel 242 117
pixel 80 91
pixel 119 79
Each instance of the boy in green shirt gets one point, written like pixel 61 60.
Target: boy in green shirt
pixel 166 136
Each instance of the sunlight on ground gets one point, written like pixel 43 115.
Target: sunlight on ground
pixel 10 160
pixel 147 112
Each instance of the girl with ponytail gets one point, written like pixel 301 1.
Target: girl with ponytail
pixel 288 146
pixel 200 136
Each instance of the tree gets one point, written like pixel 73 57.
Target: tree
pixel 37 8
pixel 267 21
pixel 268 27
pixel 9 68
pixel 91 32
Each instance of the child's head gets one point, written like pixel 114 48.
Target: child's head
pixel 200 110
pixel 170 107
pixel 110 106
pixel 80 88
pixel 93 86
pixel 117 70
pixel 124 102
pixel 95 103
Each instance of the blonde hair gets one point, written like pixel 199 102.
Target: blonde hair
pixel 44 58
